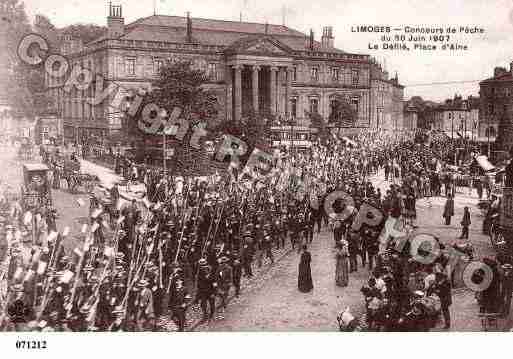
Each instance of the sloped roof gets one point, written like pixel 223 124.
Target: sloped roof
pixel 213 32
pixel 505 77
pixel 216 25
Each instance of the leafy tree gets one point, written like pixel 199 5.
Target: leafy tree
pixel 44 27
pixel 23 85
pixel 85 32
pixel 316 121
pixel 342 113
pixel 254 129
pixel 180 85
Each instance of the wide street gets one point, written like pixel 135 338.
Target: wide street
pixel 271 301
pixel 71 213
pixel 277 305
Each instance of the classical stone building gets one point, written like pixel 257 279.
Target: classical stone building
pixel 496 107
pixel 410 116
pixel 386 100
pixel 272 69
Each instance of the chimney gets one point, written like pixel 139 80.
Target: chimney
pixel 498 71
pixel 189 27
pixel 67 44
pixel 311 42
pixel 115 21
pixel 327 37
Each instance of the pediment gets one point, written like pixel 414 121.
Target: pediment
pixel 262 45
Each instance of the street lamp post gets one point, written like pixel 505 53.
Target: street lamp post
pixel 163 115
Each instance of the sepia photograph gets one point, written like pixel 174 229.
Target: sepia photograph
pixel 255 166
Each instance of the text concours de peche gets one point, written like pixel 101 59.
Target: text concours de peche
pixel 419 29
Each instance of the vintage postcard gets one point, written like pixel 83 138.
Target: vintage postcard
pixel 255 166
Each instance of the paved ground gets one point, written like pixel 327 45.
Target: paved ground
pixel 70 212
pixel 277 305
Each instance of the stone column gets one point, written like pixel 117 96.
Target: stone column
pixel 272 90
pixel 254 84
pixel 238 92
pixel 288 91
pixel 229 92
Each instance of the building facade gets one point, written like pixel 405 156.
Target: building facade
pixel 410 117
pixel 271 69
pixel 457 117
pixel 496 108
pixel 387 97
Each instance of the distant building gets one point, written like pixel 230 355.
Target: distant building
pixel 457 117
pixel 410 121
pixel 385 97
pixel 496 109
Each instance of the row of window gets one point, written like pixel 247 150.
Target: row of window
pixel 500 91
pixel 493 109
pixel 212 71
pixel 335 74
pixel 158 63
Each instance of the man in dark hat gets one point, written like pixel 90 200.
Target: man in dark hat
pixel 224 278
pixel 236 272
pixel 442 287
pixel 509 170
pixel 178 302
pixel 206 289
pixel 506 287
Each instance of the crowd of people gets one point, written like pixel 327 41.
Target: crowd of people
pixel 195 239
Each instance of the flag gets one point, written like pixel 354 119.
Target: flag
pixel 119 204
pixel 65 232
pixel 41 267
pixel 66 276
pixel 52 236
pixel 28 275
pixel 96 213
pixel 109 252
pixel 105 224
pixel 78 252
pixel 27 219
pixel 17 274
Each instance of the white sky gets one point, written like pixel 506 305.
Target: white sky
pixel 494 48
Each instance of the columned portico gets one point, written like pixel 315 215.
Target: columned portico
pixel 272 88
pixel 238 92
pixel 288 91
pixel 254 84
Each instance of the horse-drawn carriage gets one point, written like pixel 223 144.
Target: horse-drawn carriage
pixel 74 178
pixel 35 191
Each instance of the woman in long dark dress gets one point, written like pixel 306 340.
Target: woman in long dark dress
pixel 305 283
